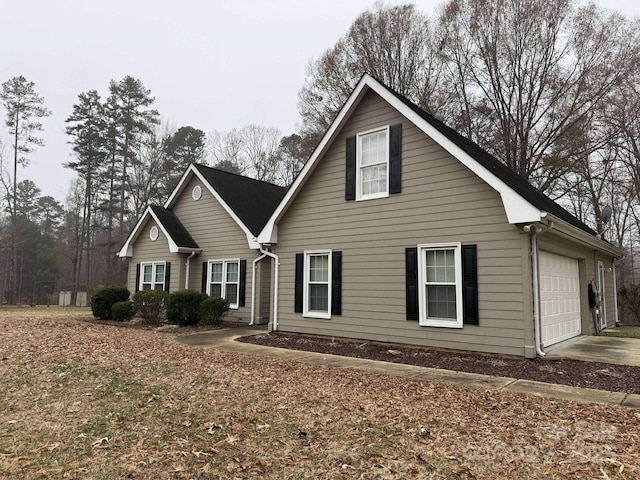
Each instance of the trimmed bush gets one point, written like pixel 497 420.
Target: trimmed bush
pixel 123 311
pixel 213 310
pixel 150 304
pixel 183 307
pixel 103 298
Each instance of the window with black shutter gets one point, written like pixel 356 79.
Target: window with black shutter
pixel 373 164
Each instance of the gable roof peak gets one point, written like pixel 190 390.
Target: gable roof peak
pixel 523 203
pixel 519 185
pixel 248 201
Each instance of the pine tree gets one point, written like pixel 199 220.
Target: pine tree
pixel 23 109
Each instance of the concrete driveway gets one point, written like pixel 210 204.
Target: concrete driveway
pixel 622 351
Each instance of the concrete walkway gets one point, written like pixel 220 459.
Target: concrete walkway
pixel 622 351
pixel 224 339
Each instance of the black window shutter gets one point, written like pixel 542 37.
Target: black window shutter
pixel 350 173
pixel 470 284
pixel 137 288
pixel 411 264
pixel 243 283
pixel 205 271
pixel 395 158
pixel 297 304
pixel 336 283
pixel 167 276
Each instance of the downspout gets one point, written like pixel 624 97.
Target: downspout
pixel 186 275
pixel 615 292
pixel 534 231
pixel 275 286
pixel 536 295
pixel 253 288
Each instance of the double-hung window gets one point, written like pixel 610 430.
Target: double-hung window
pixel 153 276
pixel 372 172
pixel 317 284
pixel 224 280
pixel 440 281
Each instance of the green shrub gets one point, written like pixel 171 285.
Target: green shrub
pixel 183 307
pixel 150 304
pixel 103 298
pixel 213 310
pixel 123 311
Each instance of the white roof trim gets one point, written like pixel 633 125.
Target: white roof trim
pixel 560 226
pixel 127 248
pixel 192 170
pixel 269 232
pixel 518 210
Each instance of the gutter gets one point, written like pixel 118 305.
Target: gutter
pixel 534 231
pixel 575 233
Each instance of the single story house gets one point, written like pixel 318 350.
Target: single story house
pixel 204 238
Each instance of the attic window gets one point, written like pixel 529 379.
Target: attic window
pixel 196 193
pixel 373 159
pixel 153 233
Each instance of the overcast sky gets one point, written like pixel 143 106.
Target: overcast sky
pixel 213 65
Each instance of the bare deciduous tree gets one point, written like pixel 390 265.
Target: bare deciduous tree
pixel 528 76
pixel 225 149
pixel 260 146
pixel 392 43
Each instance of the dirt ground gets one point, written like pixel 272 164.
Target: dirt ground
pixel 84 400
pixel 601 376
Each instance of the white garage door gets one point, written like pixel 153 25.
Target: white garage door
pixel 559 298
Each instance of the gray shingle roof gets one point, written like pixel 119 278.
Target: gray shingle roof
pixel 527 191
pixel 174 227
pixel 253 201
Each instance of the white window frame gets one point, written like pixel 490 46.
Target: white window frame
pixel 153 283
pixel 223 288
pixel 424 319
pixel 359 137
pixel 306 312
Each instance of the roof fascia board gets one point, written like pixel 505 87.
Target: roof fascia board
pixel 127 248
pixel 518 209
pixel 173 247
pixel 575 233
pixel 269 233
pixel 180 186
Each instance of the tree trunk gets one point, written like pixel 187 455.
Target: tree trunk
pixel 14 219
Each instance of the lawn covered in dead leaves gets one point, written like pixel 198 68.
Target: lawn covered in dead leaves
pixel 84 400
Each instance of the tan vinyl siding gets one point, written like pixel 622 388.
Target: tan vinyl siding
pixel 217 234
pixel 146 250
pixel 214 231
pixel 441 201
pixel 263 286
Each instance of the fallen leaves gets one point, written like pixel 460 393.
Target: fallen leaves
pixel 86 400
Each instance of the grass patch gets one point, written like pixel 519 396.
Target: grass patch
pixel 624 331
